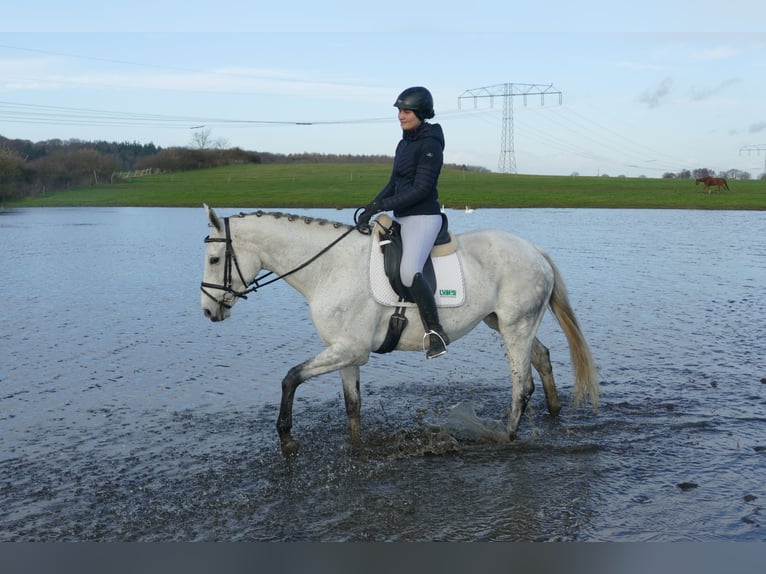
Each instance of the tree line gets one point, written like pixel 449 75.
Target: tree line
pixel 33 168
pixel 30 169
pixel 705 172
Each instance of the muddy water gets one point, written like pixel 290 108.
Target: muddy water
pixel 125 415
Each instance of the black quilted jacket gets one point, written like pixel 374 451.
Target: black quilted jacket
pixel 417 164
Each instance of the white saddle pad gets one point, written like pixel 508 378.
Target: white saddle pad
pixel 450 290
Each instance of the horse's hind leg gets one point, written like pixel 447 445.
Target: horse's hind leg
pixel 521 359
pixel 541 360
pixel 522 387
pixel 352 396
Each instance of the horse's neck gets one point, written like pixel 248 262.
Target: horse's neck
pixel 284 244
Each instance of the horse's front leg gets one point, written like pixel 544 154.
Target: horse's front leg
pixel 337 357
pixel 285 420
pixel 353 399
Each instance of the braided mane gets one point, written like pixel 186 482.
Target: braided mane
pixel 292 217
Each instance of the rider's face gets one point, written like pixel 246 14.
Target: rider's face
pixel 408 120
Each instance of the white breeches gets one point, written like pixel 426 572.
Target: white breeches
pixel 418 235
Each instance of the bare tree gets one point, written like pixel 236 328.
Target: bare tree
pixel 702 172
pixel 734 174
pixel 202 139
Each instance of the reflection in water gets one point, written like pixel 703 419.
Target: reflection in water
pixel 126 415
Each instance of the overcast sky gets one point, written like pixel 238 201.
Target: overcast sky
pixel 646 87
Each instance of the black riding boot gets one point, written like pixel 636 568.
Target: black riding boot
pixel 424 297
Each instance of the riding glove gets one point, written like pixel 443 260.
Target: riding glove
pixel 369 210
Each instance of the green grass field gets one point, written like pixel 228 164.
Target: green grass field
pixel 339 185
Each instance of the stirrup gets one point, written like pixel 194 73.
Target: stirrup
pixel 431 352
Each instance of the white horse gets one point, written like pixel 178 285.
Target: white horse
pixel 509 283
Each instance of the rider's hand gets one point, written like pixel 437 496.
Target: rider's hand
pixel 369 210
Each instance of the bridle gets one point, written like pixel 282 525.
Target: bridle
pixel 231 263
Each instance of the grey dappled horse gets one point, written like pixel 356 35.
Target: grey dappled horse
pixel 509 284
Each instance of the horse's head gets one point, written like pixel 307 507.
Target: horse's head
pixel 223 282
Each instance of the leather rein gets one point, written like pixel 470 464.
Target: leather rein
pixel 231 263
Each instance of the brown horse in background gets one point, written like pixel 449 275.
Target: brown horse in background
pixel 709 182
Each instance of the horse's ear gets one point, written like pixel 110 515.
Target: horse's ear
pixel 214 221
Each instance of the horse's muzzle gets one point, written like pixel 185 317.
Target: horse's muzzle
pixel 209 314
pixel 217 314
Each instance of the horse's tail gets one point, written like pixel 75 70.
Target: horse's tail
pixel 586 382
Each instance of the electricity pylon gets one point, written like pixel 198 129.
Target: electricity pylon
pixel 756 148
pixel 507 163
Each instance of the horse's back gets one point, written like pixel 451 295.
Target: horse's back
pixel 513 262
pixel 500 244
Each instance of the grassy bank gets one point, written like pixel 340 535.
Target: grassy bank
pixel 351 185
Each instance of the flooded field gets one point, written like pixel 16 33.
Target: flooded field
pixel 125 415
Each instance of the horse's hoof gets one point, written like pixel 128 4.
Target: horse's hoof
pixel 290 448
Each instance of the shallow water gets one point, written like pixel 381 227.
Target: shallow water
pixel 125 415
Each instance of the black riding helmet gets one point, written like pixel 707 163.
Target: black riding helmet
pixel 417 99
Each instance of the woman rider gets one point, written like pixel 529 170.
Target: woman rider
pixel 412 195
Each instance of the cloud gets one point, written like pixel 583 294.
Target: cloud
pixel 654 98
pixel 700 94
pixel 51 74
pixel 719 53
pixel 641 66
pixel 757 127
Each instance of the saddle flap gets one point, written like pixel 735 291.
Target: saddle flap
pixel 450 291
pixel 389 240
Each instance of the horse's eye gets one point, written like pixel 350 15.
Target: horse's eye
pixel 214 260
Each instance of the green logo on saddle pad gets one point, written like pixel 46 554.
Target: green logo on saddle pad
pixel 447 293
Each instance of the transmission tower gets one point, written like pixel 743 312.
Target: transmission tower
pixel 507 163
pixel 755 148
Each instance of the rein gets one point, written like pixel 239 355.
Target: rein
pixel 231 262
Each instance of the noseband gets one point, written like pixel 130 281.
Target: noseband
pixel 230 263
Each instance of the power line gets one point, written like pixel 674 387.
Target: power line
pixel 588 136
pixel 60 115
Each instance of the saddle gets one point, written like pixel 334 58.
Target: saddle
pixel 390 241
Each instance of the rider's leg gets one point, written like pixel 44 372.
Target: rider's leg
pixel 435 336
pixel 418 235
